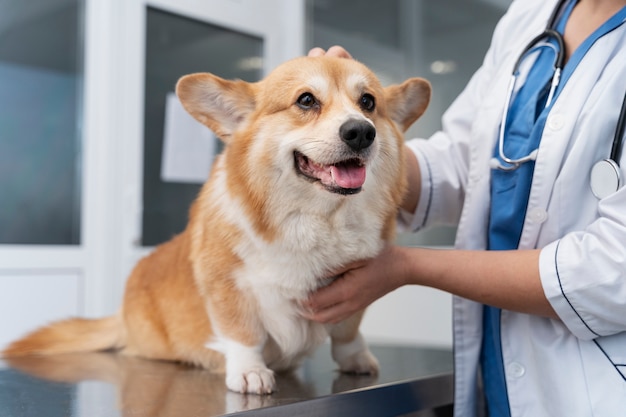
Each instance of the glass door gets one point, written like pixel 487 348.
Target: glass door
pixel 178 151
pixel 41 162
pixel 40 147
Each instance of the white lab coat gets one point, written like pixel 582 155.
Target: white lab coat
pixel 576 366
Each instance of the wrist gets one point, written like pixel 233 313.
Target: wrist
pixel 400 266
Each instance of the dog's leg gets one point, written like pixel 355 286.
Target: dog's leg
pixel 246 371
pixel 240 335
pixel 349 349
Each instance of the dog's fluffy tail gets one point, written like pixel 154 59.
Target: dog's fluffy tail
pixel 70 336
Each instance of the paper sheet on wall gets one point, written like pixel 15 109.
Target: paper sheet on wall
pixel 188 146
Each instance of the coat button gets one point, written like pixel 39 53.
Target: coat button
pixel 475 177
pixel 537 215
pixel 556 122
pixel 516 370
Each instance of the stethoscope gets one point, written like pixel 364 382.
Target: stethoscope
pixel 606 176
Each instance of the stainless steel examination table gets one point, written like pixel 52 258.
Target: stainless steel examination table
pixel 412 382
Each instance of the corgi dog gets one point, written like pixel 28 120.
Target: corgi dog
pixel 310 180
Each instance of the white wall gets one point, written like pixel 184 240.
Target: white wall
pixel 410 316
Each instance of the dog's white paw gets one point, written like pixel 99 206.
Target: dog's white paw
pixel 252 381
pixel 362 362
pixel 354 356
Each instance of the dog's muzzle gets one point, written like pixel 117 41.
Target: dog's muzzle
pixel 345 177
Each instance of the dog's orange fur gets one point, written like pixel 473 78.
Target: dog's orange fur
pixel 197 298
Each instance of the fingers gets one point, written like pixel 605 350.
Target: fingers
pixel 315 52
pixel 329 304
pixel 340 272
pixel 316 307
pixel 336 51
pixel 331 315
pixel 339 52
pixel 339 300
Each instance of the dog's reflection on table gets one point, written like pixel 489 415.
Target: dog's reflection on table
pixel 148 388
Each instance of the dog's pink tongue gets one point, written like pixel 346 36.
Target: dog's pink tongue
pixel 348 176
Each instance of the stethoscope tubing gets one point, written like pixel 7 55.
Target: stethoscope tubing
pixel 513 164
pixel 616 148
pixel 548 33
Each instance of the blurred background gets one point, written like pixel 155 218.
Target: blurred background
pixel 98 164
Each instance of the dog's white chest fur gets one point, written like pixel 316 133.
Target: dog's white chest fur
pixel 290 336
pixel 283 273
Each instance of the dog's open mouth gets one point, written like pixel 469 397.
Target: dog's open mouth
pixel 343 177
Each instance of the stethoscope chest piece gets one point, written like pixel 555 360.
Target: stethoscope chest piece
pixel 605 178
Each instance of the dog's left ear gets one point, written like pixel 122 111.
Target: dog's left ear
pixel 406 102
pixel 220 104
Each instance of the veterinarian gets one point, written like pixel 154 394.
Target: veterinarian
pixel 540 316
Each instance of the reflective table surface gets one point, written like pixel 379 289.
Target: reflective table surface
pixel 412 382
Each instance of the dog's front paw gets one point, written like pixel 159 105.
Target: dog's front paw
pixel 252 381
pixel 362 362
pixel 354 356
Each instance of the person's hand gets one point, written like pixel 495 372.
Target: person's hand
pixel 336 51
pixel 356 287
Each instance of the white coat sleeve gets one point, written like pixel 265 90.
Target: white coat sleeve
pixel 584 273
pixel 443 162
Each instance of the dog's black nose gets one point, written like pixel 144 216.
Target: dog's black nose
pixel 358 134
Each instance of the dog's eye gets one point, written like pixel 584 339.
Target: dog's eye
pixel 367 102
pixel 307 101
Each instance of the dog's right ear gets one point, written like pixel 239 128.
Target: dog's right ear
pixel 220 104
pixel 408 101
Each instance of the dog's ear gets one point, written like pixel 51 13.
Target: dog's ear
pixel 220 104
pixel 406 102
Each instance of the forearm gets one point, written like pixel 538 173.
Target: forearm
pixel 505 279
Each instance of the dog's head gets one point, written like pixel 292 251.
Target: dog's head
pixel 321 128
